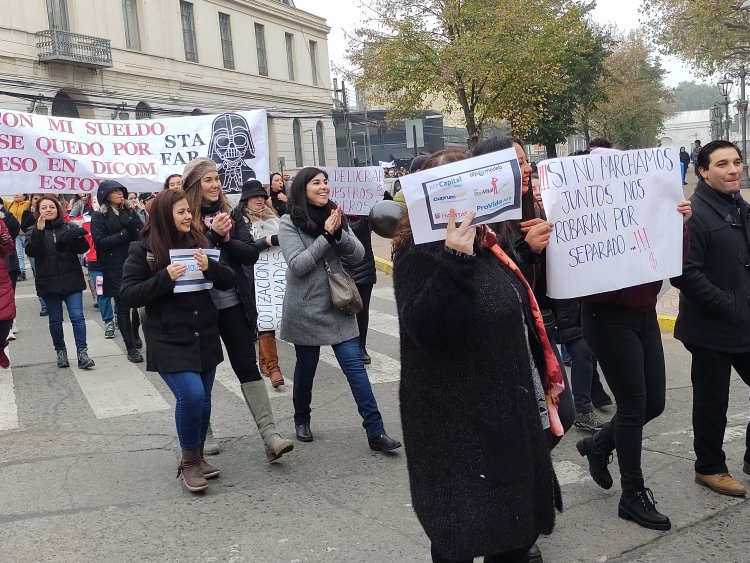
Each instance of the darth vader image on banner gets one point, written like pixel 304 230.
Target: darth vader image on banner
pixel 231 147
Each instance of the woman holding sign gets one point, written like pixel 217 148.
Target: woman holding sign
pixel 264 225
pixel 314 237
pixel 182 338
pixel 238 315
pixel 480 470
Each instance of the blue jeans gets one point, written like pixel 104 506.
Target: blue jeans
pixel 21 251
pixel 74 304
pixel 192 411
pixel 104 303
pixel 349 357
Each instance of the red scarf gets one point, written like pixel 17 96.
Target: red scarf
pixel 553 382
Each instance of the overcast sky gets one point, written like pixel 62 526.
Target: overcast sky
pixel 345 16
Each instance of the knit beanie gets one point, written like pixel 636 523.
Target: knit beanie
pixel 195 170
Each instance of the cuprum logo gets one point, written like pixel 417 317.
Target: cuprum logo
pixel 231 147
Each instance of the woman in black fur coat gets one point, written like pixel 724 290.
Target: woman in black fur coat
pixel 473 384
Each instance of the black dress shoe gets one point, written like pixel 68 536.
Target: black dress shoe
pixel 304 434
pixel 383 443
pixel 640 507
pixel 366 359
pixel 535 554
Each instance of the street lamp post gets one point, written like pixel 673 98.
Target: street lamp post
pixel 725 88
pixel 742 109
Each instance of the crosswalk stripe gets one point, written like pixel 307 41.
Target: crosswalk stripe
pixel 8 407
pixel 383 323
pixel 383 368
pixel 115 387
pixel 384 293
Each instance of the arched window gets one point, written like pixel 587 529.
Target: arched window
pixel 297 134
pixel 64 106
pixel 321 138
pixel 142 111
pixel 196 111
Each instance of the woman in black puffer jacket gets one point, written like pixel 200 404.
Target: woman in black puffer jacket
pixel 365 276
pixel 55 245
pixel 113 228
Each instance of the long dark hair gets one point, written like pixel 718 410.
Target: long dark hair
pixel 508 232
pixel 270 182
pixel 298 206
pixel 160 233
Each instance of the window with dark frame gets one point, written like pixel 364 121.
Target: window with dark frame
pixel 314 61
pixel 297 136
pixel 260 47
pixel 57 14
pixel 289 40
pixel 188 32
pixel 225 30
pixel 132 32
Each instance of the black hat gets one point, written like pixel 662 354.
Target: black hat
pixel 252 188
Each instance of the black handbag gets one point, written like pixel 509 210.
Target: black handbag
pixel 344 293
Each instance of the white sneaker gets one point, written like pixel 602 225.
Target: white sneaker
pixel 11 336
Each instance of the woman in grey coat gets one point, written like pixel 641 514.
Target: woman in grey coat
pixel 314 233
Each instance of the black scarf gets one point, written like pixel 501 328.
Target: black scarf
pixel 211 208
pixel 114 221
pixel 311 218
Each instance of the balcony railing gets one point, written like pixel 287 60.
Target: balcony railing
pixel 55 45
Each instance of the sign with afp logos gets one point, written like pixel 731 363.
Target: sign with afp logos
pixel 489 185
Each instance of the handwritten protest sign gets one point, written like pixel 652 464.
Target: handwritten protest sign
pixel 356 190
pixel 192 279
pixel 56 154
pixel 489 184
pixel 270 286
pixel 615 220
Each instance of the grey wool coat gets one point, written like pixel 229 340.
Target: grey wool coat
pixel 309 318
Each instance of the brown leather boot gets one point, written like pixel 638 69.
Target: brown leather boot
pixel 190 472
pixel 209 471
pixel 722 483
pixel 269 355
pixel 262 365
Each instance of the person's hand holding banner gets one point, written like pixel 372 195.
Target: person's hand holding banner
pixel 175 270
pixel 537 234
pixel 686 209
pixel 201 259
pixel 461 238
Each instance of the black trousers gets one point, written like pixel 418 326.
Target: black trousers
pixel 239 337
pixel 710 373
pixel 363 317
pixel 5 327
pixel 628 347
pixel 123 321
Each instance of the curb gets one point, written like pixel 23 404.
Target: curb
pixel 385 266
pixel 666 322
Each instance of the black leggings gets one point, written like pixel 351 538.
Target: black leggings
pixel 5 327
pixel 628 346
pixel 238 337
pixel 363 317
pixel 123 321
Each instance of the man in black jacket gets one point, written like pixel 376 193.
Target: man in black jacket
pixel 714 317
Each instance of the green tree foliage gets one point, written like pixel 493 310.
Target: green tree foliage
pixel 489 59
pixel 633 113
pixel 713 35
pixel 689 96
pixel 578 90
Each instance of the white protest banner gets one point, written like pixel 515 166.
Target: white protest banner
pixel 270 286
pixel 40 153
pixel 356 190
pixel 489 184
pixel 192 279
pixel 615 220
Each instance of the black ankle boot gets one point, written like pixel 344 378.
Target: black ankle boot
pixel 640 507
pixel 598 462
